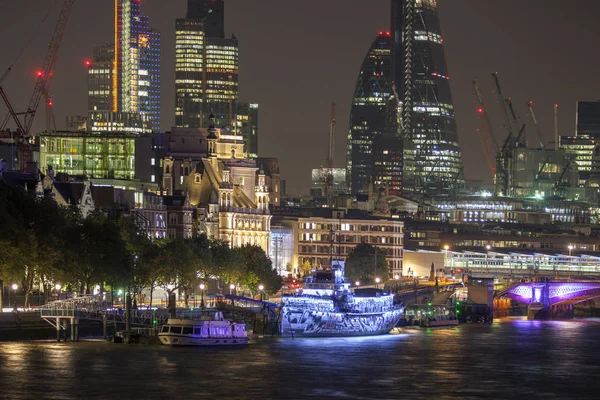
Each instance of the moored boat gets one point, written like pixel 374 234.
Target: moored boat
pixel 327 307
pixel 211 330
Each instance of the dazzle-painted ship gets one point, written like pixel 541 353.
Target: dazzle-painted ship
pixel 325 306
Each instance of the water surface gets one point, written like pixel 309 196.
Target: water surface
pixel 512 358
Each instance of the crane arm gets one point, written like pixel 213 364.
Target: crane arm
pixel 44 75
pixel 484 113
pixel 535 123
pixel 12 112
pixel 504 111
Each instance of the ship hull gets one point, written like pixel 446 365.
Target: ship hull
pixel 305 323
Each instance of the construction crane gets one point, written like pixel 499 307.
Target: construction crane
pixel 45 74
pixel 505 154
pixel 515 119
pixel 41 88
pixel 499 178
pixel 329 177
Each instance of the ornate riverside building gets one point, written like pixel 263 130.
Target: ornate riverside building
pixel 229 191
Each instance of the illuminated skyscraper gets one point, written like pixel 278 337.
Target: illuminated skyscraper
pixel 426 108
pixel 373 113
pixel 206 67
pixel 134 73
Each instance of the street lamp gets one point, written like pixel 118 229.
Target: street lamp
pixel 260 289
pixel 14 287
pixel 231 288
pixel 396 277
pixel 377 280
pixel 357 283
pixel 487 267
pixel 202 295
pixel 446 247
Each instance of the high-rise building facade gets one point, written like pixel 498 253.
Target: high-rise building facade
pixel 388 163
pixel 206 67
pixel 124 76
pixel 371 114
pixel 136 76
pixel 588 118
pixel 100 78
pixel 426 108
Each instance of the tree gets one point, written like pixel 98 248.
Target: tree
pixel 306 268
pixel 258 264
pixel 360 264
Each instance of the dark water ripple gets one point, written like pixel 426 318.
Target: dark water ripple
pixel 508 359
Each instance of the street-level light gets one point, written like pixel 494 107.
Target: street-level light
pixel 377 280
pixel 57 287
pixel 260 289
pixel 488 247
pixel 231 288
pixel 446 247
pixel 396 277
pixel 202 295
pixel 15 286
pixel 357 283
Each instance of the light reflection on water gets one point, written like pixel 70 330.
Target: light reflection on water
pixel 510 358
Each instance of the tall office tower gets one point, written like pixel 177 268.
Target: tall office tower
pixel 588 118
pixel 136 75
pixel 246 126
pixel 372 115
pixel 100 78
pixel 206 67
pixel 426 109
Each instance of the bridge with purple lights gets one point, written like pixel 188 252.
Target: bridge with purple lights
pixel 548 300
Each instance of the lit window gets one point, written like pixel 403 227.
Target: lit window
pixel 152 178
pixel 152 162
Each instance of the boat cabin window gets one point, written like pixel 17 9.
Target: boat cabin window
pixel 176 329
pixel 187 330
pixel 197 331
pixel 165 329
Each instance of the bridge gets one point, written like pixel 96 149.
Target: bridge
pixel 548 300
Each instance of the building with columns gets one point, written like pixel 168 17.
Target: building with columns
pixel 229 191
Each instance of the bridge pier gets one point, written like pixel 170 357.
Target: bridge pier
pixel 556 311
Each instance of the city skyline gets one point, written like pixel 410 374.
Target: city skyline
pixel 476 45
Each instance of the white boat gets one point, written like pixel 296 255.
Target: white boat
pixel 212 330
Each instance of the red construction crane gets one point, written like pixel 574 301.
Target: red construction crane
pixel 41 88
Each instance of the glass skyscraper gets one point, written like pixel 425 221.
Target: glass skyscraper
pixel 427 116
pixel 588 118
pixel 206 67
pixel 372 113
pixel 136 76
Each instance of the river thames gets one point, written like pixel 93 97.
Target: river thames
pixel 510 358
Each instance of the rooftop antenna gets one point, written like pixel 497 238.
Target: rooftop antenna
pixel 329 178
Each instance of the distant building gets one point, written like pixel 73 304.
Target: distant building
pixel 371 115
pixel 231 193
pixel 107 155
pixel 426 108
pixel 124 77
pixel 246 125
pixel 388 164
pixel 76 123
pixel 581 147
pixel 150 150
pixel 588 119
pixel 319 182
pixel 313 230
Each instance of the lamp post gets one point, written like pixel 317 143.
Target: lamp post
pixel 202 295
pixel 377 280
pixel 357 283
pixel 260 289
pixel 57 288
pixel 14 287
pixel 231 289
pixel 487 250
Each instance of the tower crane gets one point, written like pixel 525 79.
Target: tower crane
pixel 41 87
pixel 499 176
pixel 505 154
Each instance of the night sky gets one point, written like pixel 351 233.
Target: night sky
pixel 296 57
